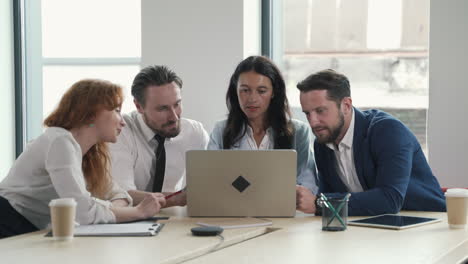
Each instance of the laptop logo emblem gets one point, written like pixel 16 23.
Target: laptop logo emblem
pixel 240 183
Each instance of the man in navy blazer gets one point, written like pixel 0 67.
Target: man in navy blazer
pixel 369 154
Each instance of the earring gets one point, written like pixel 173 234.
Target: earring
pixel 91 125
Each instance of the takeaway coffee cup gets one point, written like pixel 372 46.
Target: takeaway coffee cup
pixel 457 207
pixel 62 213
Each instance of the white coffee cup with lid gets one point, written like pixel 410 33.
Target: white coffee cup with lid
pixel 457 207
pixel 62 214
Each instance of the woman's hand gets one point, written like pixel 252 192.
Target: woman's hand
pixel 160 197
pixel 151 204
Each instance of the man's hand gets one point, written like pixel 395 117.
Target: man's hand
pixel 305 200
pixel 177 200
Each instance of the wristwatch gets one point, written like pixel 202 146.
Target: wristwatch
pixel 318 208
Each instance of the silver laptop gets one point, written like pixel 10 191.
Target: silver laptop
pixel 241 183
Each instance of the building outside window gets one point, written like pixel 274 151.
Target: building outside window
pixel 381 45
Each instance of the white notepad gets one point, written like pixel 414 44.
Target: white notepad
pixel 133 229
pixel 130 229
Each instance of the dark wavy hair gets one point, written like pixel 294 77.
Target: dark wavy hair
pixel 278 113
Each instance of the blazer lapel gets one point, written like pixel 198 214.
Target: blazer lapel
pixel 335 180
pixel 358 144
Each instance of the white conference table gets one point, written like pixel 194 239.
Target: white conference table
pixel 288 240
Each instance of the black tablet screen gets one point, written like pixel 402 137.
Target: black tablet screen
pixel 394 220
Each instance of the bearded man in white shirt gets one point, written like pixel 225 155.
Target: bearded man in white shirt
pixel 149 155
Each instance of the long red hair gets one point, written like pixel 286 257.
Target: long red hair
pixel 78 107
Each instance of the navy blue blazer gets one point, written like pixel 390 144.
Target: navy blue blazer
pixel 390 165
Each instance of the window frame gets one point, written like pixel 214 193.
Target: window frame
pixel 29 64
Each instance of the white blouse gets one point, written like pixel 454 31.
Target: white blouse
pixel 248 141
pixel 50 168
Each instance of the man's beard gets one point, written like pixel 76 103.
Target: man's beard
pixel 164 132
pixel 169 133
pixel 334 132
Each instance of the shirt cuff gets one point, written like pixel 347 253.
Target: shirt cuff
pixel 123 195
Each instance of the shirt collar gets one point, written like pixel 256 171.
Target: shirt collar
pixel 269 131
pixel 347 140
pixel 147 132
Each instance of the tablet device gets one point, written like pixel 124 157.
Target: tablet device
pixel 393 221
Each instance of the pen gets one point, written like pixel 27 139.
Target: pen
pixel 172 194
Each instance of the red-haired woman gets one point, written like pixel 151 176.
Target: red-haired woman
pixel 70 159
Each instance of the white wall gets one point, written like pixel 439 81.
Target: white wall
pixel 448 92
pixel 202 41
pixel 7 137
pixel 252 27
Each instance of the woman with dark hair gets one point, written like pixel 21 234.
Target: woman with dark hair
pixel 70 160
pixel 259 117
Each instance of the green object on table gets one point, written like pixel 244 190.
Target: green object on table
pixel 338 209
pixel 335 213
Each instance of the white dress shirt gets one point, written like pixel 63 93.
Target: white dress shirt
pixel 50 168
pixel 134 160
pixel 344 156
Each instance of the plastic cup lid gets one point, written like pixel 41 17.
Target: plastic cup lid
pixel 456 192
pixel 63 202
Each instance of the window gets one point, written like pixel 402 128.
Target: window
pixel 70 40
pixel 7 84
pixel 382 46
